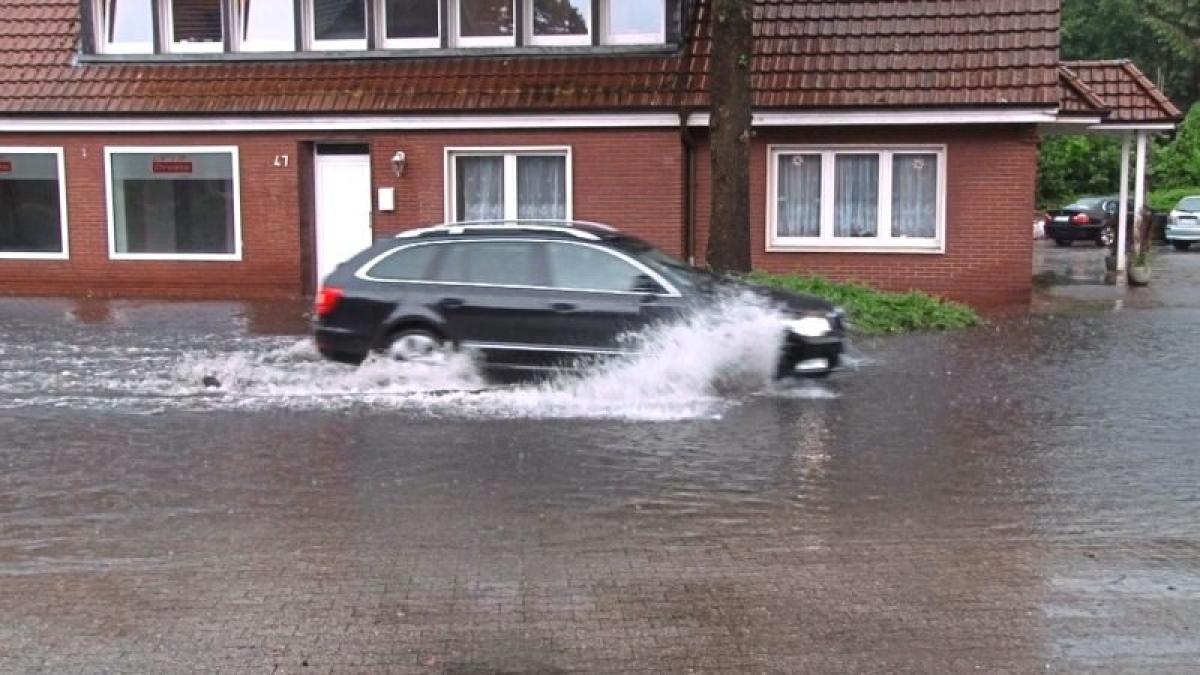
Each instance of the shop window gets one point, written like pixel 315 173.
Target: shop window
pixel 33 202
pixel 174 203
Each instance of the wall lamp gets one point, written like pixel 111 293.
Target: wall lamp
pixel 399 161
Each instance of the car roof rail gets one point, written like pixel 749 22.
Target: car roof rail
pixel 577 228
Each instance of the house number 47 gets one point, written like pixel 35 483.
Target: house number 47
pixel 282 161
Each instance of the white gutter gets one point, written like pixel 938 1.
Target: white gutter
pixel 327 123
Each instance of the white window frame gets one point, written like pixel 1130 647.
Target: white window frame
pixel 166 10
pixel 555 40
pixel 57 151
pixel 611 38
pixel 510 155
pixel 240 44
pixel 455 9
pixel 381 37
pixel 231 150
pixel 883 242
pixel 311 42
pixel 100 14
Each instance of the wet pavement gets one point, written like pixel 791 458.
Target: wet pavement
pixel 1022 497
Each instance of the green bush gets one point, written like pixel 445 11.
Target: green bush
pixel 1070 167
pixel 1163 201
pixel 876 312
pixel 1177 163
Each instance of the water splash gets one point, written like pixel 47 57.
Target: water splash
pixel 695 367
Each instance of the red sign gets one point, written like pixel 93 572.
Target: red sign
pixel 165 166
pixel 5 166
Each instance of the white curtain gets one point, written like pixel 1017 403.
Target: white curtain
pixel 914 195
pixel 480 188
pixel 799 213
pixel 856 202
pixel 542 187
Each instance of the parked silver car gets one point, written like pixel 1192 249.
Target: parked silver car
pixel 1183 225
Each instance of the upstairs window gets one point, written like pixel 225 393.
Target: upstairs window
pixel 128 26
pixel 486 23
pixel 196 25
pixel 560 22
pixel 411 24
pixel 635 22
pixel 337 24
pixel 266 25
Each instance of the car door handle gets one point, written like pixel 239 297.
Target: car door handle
pixel 564 307
pixel 451 303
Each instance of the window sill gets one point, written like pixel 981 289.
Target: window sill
pixel 587 50
pixel 11 255
pixel 938 249
pixel 175 257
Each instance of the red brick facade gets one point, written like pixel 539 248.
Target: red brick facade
pixel 630 178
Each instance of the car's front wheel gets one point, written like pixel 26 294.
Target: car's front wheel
pixel 1107 236
pixel 415 345
pixel 1181 245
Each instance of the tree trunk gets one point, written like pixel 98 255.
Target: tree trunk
pixel 730 133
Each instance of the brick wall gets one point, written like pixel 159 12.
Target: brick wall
pixel 630 178
pixel 991 178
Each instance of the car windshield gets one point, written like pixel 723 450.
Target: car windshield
pixel 1085 204
pixel 1189 204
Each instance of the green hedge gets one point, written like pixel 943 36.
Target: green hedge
pixel 877 312
pixel 1163 201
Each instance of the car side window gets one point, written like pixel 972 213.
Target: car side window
pixel 413 263
pixel 590 269
pixel 502 263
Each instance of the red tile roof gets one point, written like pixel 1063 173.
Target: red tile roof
pixel 808 54
pixel 1117 88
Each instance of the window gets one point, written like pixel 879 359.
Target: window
pixel 507 185
pixel 411 263
pixel 560 22
pixel 486 23
pixel 859 198
pixel 127 26
pixel 173 203
pixel 33 203
pixel 196 25
pixel 582 267
pixel 502 263
pixel 337 24
pixel 411 23
pixel 267 26
pixel 635 22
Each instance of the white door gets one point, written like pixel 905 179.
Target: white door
pixel 343 205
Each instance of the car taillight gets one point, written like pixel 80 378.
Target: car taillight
pixel 1081 219
pixel 327 300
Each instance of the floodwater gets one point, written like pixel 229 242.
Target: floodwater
pixel 1020 497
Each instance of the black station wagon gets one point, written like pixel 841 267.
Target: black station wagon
pixel 534 296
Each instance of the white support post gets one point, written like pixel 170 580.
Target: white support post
pixel 1123 210
pixel 1139 192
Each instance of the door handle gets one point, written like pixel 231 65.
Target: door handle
pixel 563 307
pixel 451 303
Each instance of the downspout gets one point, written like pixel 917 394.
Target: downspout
pixel 687 141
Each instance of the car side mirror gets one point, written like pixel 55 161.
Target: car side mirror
pixel 644 283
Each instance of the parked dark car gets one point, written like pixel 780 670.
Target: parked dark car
pixel 1090 219
pixel 534 296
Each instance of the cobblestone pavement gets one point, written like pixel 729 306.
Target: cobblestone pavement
pixel 1023 497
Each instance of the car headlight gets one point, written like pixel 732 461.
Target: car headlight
pixel 1173 219
pixel 810 326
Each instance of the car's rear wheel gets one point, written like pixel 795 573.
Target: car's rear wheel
pixel 1181 245
pixel 1063 242
pixel 1107 236
pixel 415 345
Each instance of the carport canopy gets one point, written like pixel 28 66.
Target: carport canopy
pixel 1116 98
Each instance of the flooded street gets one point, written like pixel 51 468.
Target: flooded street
pixel 1020 497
